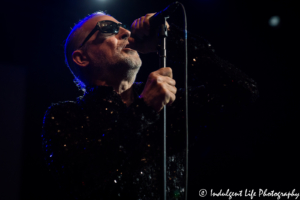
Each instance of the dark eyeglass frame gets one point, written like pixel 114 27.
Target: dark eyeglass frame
pixel 99 27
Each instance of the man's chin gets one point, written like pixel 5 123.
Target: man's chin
pixel 133 61
pixel 133 58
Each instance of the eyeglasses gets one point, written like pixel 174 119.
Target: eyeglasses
pixel 104 27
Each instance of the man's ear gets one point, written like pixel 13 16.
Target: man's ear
pixel 79 58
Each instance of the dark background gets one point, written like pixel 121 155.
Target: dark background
pixel 33 75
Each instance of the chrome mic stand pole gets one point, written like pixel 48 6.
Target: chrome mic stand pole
pixel 163 34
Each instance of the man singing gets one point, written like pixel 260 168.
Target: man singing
pixel 108 143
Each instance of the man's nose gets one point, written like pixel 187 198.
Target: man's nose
pixel 124 33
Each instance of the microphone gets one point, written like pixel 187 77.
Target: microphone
pixel 157 19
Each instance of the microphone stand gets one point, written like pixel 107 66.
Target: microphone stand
pixel 162 53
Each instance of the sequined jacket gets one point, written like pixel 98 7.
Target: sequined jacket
pixel 98 148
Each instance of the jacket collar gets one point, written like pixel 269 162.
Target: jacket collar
pixel 97 94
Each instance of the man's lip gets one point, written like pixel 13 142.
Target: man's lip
pixel 128 49
pixel 127 46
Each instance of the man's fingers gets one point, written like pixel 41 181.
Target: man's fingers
pixel 133 29
pixel 169 93
pixel 143 26
pixel 166 71
pixel 160 89
pixel 156 77
pixel 169 89
pixel 172 89
pixel 168 26
pixel 146 26
pixel 147 17
pixel 137 24
pixel 166 79
pixel 171 99
pixel 138 27
pixel 170 81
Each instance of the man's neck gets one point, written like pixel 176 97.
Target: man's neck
pixel 127 94
pixel 123 88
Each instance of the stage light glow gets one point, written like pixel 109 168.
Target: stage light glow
pixel 274 21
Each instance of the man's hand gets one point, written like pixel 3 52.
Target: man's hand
pixel 160 89
pixel 142 39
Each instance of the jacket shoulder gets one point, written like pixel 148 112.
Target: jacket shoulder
pixel 61 111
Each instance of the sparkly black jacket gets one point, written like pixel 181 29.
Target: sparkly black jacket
pixel 98 148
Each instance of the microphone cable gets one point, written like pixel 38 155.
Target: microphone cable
pixel 186 103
